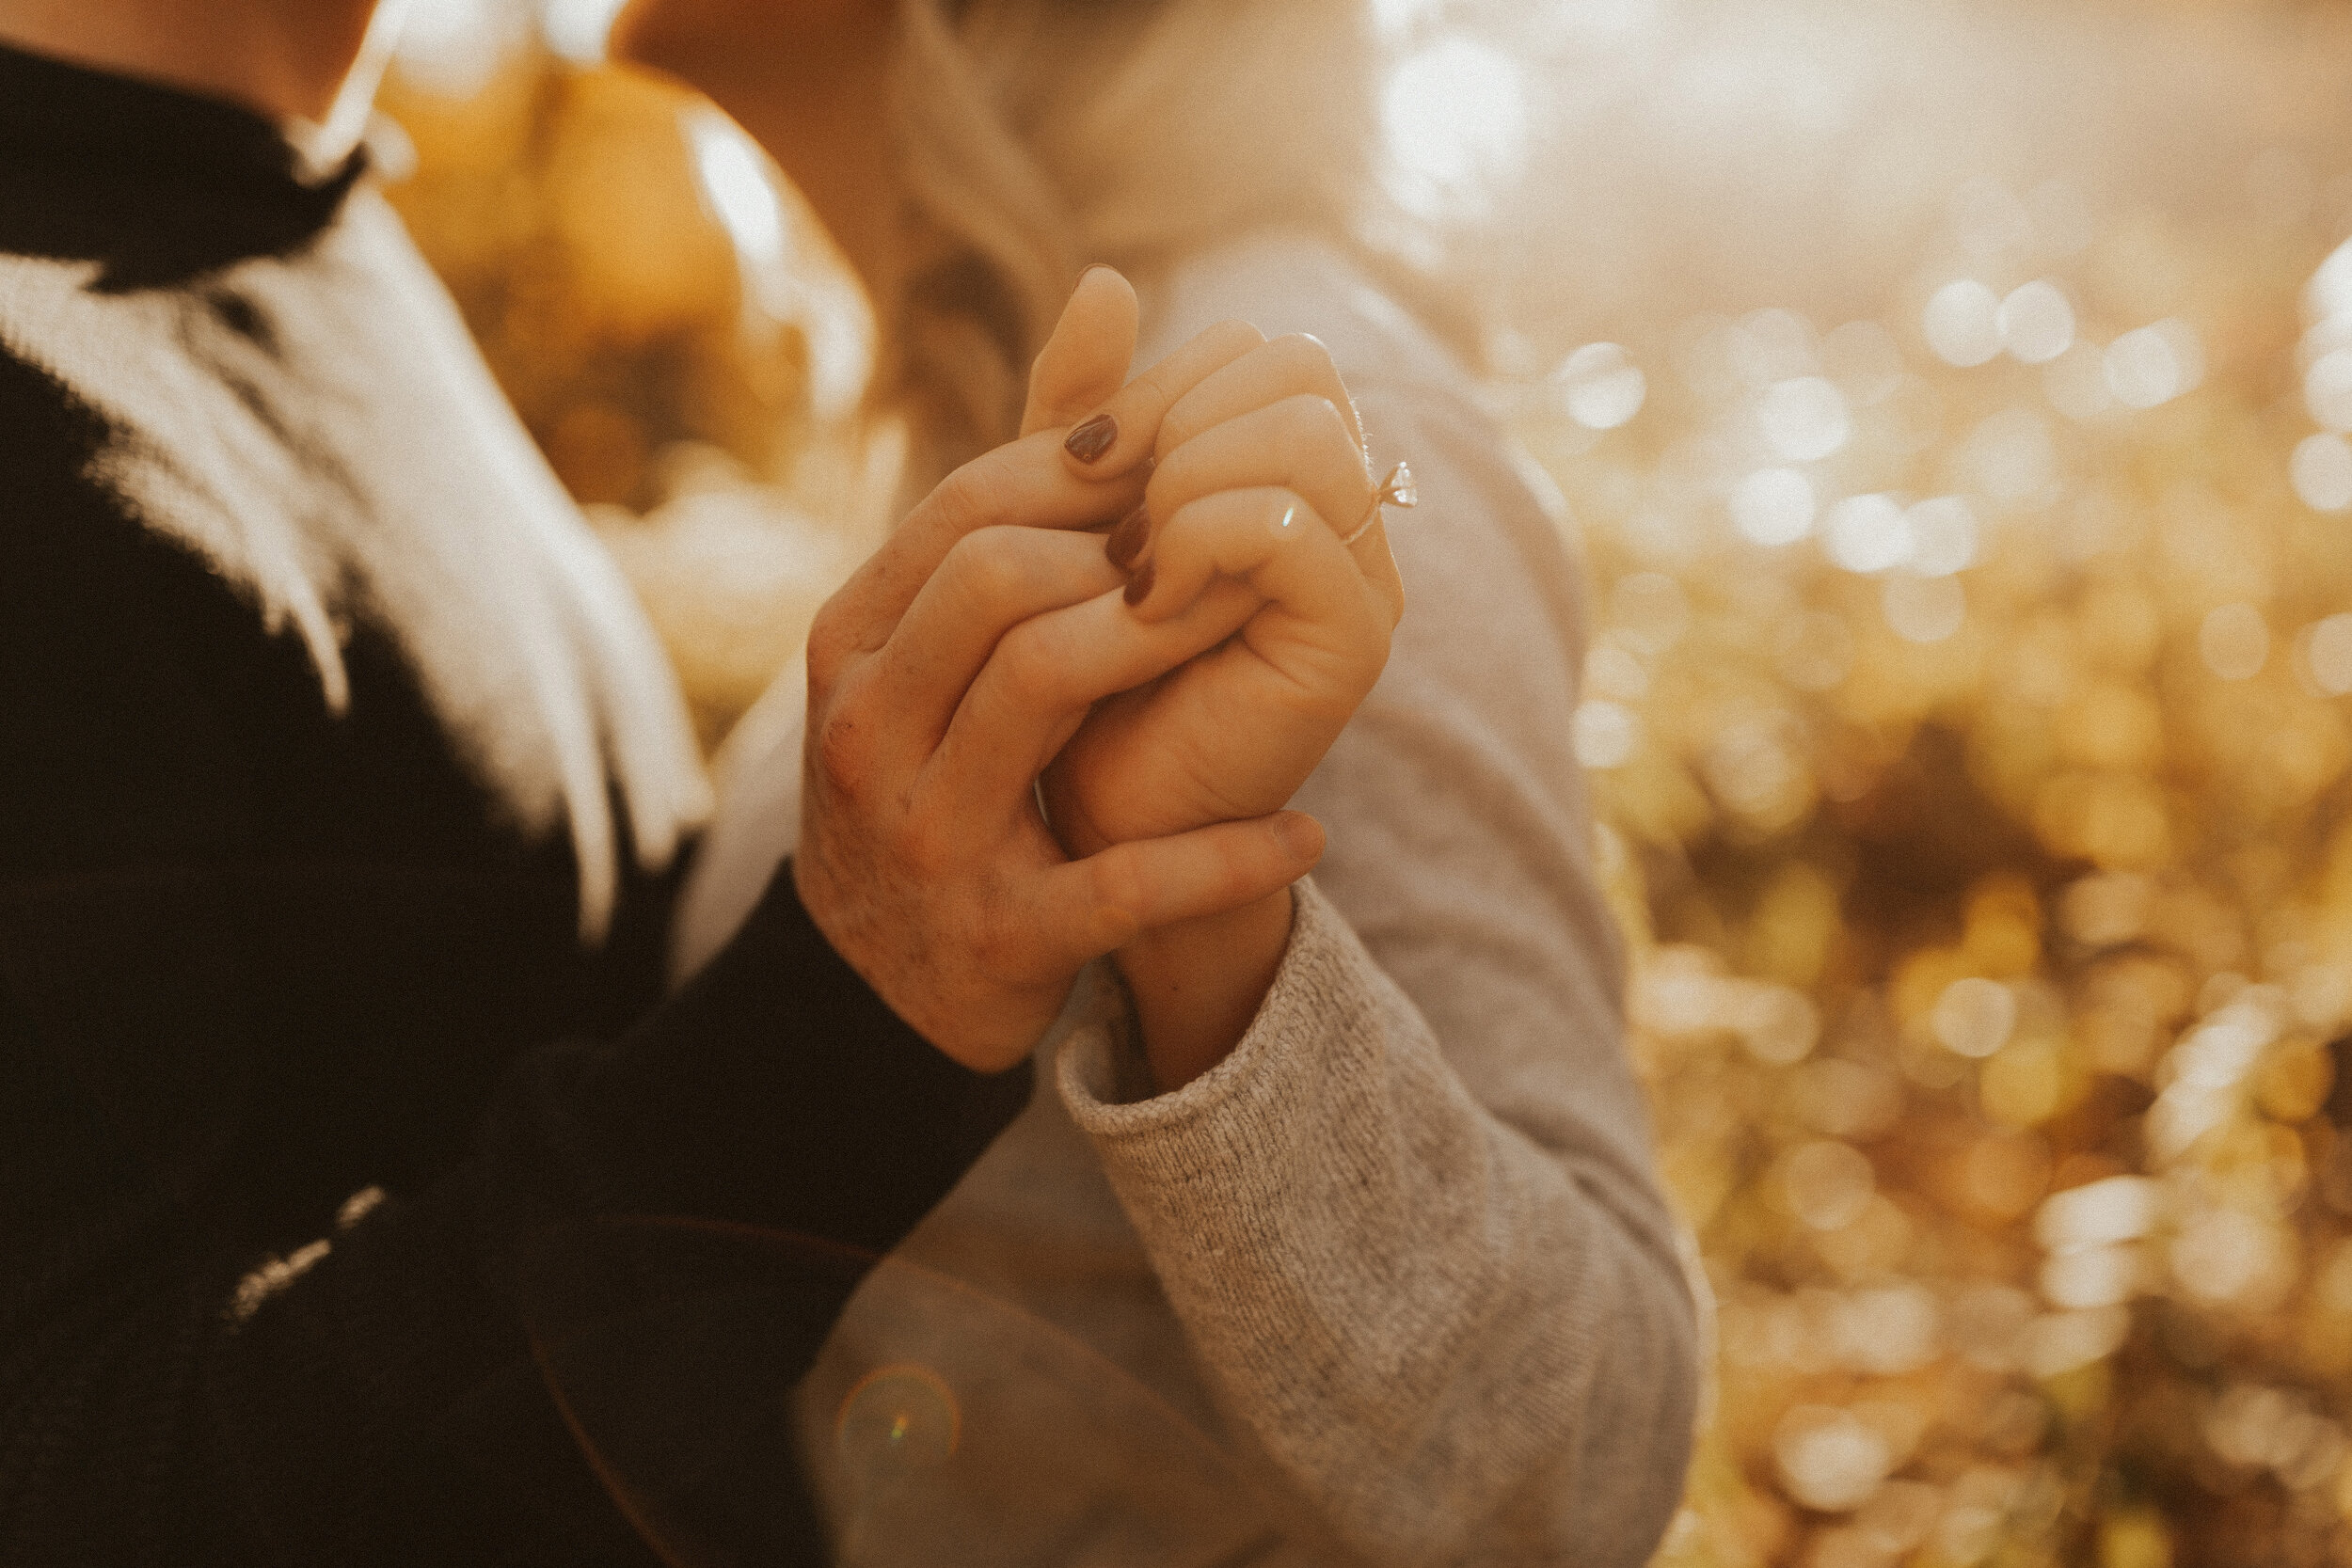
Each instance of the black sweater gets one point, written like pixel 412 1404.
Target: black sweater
pixel 259 956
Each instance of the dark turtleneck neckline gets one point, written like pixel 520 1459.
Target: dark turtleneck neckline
pixel 157 183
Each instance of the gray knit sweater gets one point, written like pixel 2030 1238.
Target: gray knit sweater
pixel 1393 1283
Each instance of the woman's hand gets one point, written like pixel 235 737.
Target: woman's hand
pixel 942 679
pixel 1260 472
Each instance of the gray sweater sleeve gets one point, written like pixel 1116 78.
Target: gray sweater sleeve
pixel 1410 1224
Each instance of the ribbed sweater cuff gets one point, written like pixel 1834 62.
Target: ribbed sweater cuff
pixel 1320 994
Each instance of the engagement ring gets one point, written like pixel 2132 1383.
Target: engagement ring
pixel 1397 491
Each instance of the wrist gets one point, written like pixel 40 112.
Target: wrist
pixel 1198 984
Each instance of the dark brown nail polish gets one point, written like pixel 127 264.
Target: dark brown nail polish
pixel 1123 544
pixel 1091 439
pixel 1139 586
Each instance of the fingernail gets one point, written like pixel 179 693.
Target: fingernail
pixel 1123 544
pixel 1139 586
pixel 1301 834
pixel 1091 439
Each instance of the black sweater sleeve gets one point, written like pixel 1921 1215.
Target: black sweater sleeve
pixel 580 1340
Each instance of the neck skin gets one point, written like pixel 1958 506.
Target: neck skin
pixel 810 81
pixel 311 66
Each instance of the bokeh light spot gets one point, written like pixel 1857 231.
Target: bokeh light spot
pixel 1942 536
pixel 1867 534
pixel 1828 1458
pixel 1773 506
pixel 2037 324
pixel 2328 389
pixel 1963 324
pixel 1974 1016
pixel 2328 654
pixel 2321 470
pixel 1767 347
pixel 1805 418
pixel 2329 292
pixel 1600 387
pixel 2099 1213
pixel 2092 1276
pixel 1779 1025
pixel 2154 364
pixel 1604 733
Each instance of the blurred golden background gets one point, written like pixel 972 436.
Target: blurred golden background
pixel 1950 401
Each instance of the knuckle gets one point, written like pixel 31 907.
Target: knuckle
pixel 1304 352
pixel 828 642
pixel 1310 418
pixel 837 753
pixel 1160 388
pixel 959 502
pixel 988 566
pixel 835 760
pixel 1233 329
pixel 1118 890
pixel 1031 665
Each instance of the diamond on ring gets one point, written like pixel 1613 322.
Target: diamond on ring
pixel 1397 490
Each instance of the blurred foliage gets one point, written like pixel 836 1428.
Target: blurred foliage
pixel 1958 467
pixel 671 380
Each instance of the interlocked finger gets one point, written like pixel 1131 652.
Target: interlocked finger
pixel 1290 366
pixel 1301 444
pixel 1093 906
pixel 1085 359
pixel 1044 675
pixel 1273 541
pixel 991 581
pixel 1026 482
pixel 1130 420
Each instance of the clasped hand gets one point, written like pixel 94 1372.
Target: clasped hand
pixel 1030 745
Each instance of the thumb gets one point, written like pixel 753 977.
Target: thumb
pixel 1085 359
pixel 1087 908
